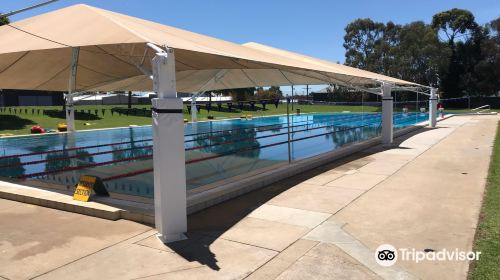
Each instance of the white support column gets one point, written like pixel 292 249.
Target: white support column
pixel 433 108
pixel 70 111
pixel 168 152
pixel 194 111
pixel 387 114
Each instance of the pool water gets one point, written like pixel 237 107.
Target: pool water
pixel 215 150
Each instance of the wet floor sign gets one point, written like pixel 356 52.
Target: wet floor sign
pixel 85 186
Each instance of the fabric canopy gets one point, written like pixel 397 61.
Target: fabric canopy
pixel 334 67
pixel 35 54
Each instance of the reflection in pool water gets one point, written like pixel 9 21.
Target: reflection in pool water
pixel 215 150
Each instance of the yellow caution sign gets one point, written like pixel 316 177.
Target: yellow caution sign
pixel 84 188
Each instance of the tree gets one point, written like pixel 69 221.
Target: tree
pixel 411 52
pixel 4 21
pixel 276 90
pixel 458 26
pixel 238 94
pixel 419 56
pixel 488 68
pixel 360 41
pixel 453 52
pixel 384 49
pixel 273 92
pixel 469 54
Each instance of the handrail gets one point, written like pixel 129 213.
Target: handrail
pixel 481 107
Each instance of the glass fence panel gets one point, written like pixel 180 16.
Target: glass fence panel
pixel 216 151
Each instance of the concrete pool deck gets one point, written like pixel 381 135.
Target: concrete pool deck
pixel 423 192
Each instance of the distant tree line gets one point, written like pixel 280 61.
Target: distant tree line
pixel 454 53
pixel 252 93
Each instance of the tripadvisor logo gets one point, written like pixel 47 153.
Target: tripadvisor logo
pixel 387 255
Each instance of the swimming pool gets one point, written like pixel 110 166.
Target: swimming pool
pixel 215 150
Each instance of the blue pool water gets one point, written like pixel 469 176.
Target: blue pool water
pixel 215 150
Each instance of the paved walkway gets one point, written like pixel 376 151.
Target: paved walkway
pixel 424 192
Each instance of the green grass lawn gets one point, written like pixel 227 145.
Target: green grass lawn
pixel 21 122
pixel 488 233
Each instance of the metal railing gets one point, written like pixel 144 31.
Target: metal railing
pixel 481 109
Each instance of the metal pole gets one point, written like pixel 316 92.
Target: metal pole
pixel 417 109
pixel 288 129
pixel 362 114
pixel 194 110
pixel 70 112
pixel 129 101
pixel 292 97
pixel 26 9
pixel 307 93
pixel 396 101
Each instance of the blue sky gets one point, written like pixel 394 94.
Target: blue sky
pixel 312 27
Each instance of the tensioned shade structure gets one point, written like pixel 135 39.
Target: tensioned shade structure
pixel 82 48
pixel 35 53
pixel 334 67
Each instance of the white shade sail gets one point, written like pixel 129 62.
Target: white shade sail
pixel 35 54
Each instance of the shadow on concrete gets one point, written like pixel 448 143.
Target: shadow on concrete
pixel 206 226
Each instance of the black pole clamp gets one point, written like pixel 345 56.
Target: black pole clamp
pixel 167 111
